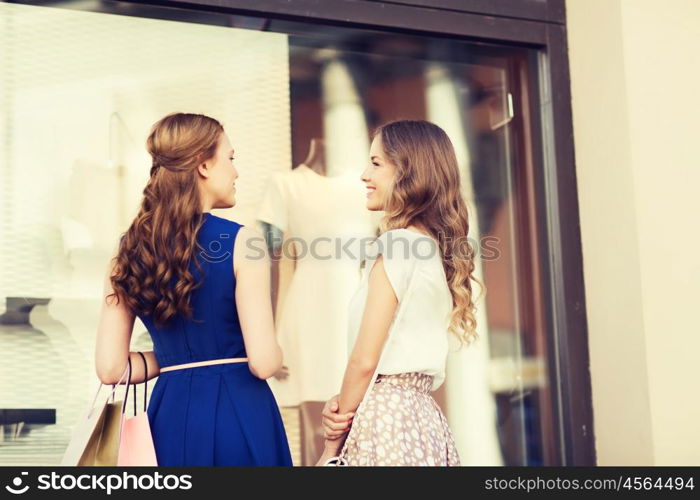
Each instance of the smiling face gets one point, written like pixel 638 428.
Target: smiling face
pixel 378 176
pixel 217 177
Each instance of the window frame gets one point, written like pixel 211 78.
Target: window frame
pixel 537 24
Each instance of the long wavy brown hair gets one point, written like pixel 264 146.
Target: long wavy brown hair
pixel 151 271
pixel 425 192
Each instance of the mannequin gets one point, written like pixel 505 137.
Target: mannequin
pixel 312 289
pixel 311 435
pixel 316 159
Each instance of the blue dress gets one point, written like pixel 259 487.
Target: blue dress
pixel 219 414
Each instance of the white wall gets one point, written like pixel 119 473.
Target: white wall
pixel 634 77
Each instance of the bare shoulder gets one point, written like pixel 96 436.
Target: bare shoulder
pixel 247 233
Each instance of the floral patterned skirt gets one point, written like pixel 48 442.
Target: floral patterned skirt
pixel 400 424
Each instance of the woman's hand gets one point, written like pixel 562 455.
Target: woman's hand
pixel 331 449
pixel 335 424
pixel 282 373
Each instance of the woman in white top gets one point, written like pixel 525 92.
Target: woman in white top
pixel 416 291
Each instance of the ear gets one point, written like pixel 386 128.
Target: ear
pixel 203 169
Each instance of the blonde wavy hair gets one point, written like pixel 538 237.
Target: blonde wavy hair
pixel 151 271
pixel 426 192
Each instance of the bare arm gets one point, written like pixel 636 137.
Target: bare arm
pixel 114 330
pixel 137 369
pixel 374 329
pixel 251 267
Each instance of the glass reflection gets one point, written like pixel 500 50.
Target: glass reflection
pixel 300 106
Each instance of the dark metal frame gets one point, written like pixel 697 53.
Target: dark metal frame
pixel 539 24
pixel 535 23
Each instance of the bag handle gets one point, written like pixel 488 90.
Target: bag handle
pixel 127 373
pixel 145 382
pixel 128 384
pixel 134 386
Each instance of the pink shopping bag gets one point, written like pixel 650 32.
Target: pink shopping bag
pixel 136 442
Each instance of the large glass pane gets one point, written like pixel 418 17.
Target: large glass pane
pixel 299 102
pixel 81 90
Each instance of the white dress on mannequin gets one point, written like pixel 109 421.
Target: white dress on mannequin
pixel 325 219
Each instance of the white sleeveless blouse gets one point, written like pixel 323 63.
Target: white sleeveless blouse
pixel 418 337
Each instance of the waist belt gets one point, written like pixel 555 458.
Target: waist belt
pixel 203 363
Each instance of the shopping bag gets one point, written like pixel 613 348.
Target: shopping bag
pixel 136 442
pixel 95 439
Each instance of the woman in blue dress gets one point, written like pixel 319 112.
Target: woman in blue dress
pixel 200 284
